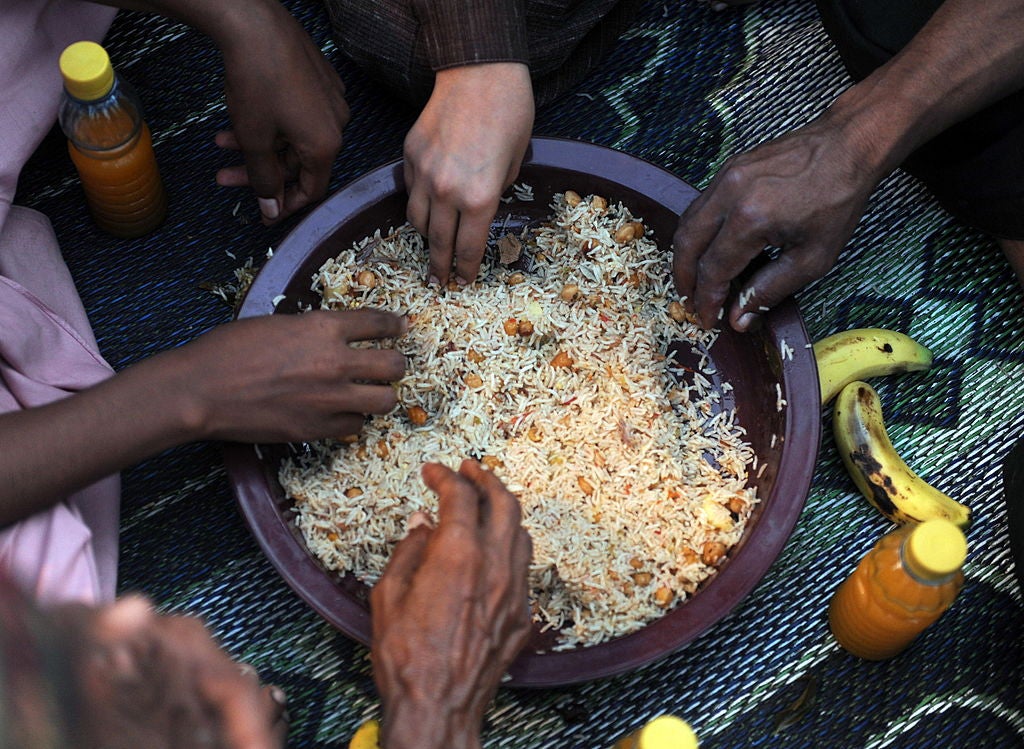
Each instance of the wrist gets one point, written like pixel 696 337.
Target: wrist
pixel 878 129
pixel 169 397
pixel 427 724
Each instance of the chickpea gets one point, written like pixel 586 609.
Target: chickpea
pixel 515 279
pixel 382 449
pixel 677 311
pixel 362 453
pixel 349 439
pixel 534 434
pixel 599 204
pixel 569 292
pixel 736 505
pixel 635 563
pixel 473 380
pixel 475 356
pixel 588 246
pixel 664 596
pixel 417 416
pixel 638 230
pixel 511 326
pixel 712 553
pixel 353 492
pixel 585 486
pixel 491 462
pixel 689 555
pixel 643 579
pixel 525 328
pixel 624 234
pixel 572 198
pixel 332 536
pixel 366 278
pixel 561 359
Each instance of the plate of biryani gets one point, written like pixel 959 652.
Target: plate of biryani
pixel 660 467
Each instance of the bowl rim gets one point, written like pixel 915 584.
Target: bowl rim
pixel 757 551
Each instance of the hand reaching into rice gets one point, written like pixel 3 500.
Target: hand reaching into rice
pixel 450 612
pixel 563 379
pixel 288 378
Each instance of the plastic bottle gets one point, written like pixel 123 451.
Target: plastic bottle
pixel 663 732
pixel 110 144
pixel 900 587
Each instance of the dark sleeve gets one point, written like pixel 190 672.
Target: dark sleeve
pixel 38 701
pixel 462 32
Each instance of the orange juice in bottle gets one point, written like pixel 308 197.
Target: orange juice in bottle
pixel 900 587
pixel 663 732
pixel 110 144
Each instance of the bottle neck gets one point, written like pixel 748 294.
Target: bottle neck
pixel 105 124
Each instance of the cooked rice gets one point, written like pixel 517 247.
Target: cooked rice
pixel 632 477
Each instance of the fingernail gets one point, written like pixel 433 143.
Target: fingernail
pixel 269 208
pixel 434 282
pixel 719 6
pixel 461 281
pixel 405 325
pixel 419 519
pixel 278 695
pixel 745 320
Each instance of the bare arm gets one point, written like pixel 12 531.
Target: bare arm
pixel 273 379
pixel 806 191
pixel 287 104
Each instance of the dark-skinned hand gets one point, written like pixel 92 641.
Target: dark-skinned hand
pixel 450 612
pixel 163 682
pixel 288 110
pixel 803 193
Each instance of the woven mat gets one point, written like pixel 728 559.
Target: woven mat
pixel 685 89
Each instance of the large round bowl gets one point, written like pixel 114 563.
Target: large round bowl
pixel 759 366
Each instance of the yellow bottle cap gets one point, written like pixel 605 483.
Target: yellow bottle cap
pixel 667 732
pixel 936 547
pixel 86 69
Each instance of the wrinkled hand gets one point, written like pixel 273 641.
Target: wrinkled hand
pixel 287 107
pixel 162 682
pixel 450 612
pixel 804 192
pixel 464 150
pixel 285 378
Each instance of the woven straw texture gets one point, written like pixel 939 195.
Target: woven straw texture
pixel 685 89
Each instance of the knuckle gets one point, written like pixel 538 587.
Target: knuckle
pixel 751 215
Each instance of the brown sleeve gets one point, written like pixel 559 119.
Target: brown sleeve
pixel 463 32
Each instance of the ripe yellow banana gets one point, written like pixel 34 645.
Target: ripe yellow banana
pixel 859 353
pixel 878 470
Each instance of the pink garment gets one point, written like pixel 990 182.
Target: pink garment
pixel 47 350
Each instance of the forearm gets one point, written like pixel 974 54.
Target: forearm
pixel 47 453
pixel 967 56
pixel 226 22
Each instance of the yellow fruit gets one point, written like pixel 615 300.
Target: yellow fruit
pixel 882 476
pixel 859 353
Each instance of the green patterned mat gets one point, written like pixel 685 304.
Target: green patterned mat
pixel 685 88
